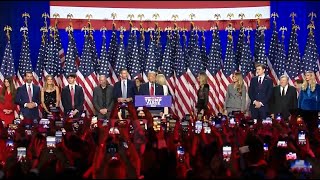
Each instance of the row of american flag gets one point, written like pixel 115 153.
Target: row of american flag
pixel 179 62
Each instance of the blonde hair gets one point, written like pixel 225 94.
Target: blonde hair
pixel 203 78
pixel 46 82
pixel 312 82
pixel 239 84
pixel 160 79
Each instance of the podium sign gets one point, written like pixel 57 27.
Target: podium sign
pixel 153 101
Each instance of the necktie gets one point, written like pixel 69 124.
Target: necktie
pixel 152 89
pixel 72 97
pixel 309 91
pixel 124 90
pixel 30 93
pixel 282 94
pixel 260 82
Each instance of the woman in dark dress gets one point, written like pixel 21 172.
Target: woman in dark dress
pixel 203 94
pixel 50 96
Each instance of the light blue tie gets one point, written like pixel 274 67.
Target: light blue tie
pixel 309 91
pixel 124 90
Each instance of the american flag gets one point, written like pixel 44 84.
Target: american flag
pixel 142 51
pixel 94 56
pixel 239 46
pixel 214 74
pixel 204 57
pixel 193 71
pixel 105 66
pixel 151 59
pixel 310 60
pixel 293 61
pixel 25 61
pixel 158 50
pixel 72 58
pixel 129 48
pixel 167 65
pixel 86 74
pixel 121 62
pixel 39 72
pixel 273 55
pixel 182 94
pixel 112 56
pixel 279 65
pixel 60 52
pixel 136 65
pixel 229 66
pixel 191 44
pixel 53 66
pixel 7 65
pixel 259 54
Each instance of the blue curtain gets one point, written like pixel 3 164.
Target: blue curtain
pixel 10 14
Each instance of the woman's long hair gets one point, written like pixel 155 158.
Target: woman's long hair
pixel 46 82
pixel 161 79
pixel 239 84
pixel 4 89
pixel 312 82
pixel 203 78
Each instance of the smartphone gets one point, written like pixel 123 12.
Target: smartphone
pixel 301 166
pixel 16 121
pixel 156 124
pixel 185 126
pixel 226 150
pixel 105 122
pixel 172 124
pixel 58 136
pixel 198 127
pixel 114 130
pixel 282 144
pixel 265 147
pixel 94 121
pixel 180 152
pixel 143 125
pixel 302 138
pixel 291 156
pixel 63 131
pixel 28 132
pixel 45 123
pixel 232 122
pixel 112 148
pixel 51 141
pixel 199 118
pixel 21 153
pixel 58 124
pixel 244 149
pixel 187 117
pixel 207 129
pixel 278 117
pixel 9 143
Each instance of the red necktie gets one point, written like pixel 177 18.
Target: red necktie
pixel 30 94
pixel 152 89
pixel 72 96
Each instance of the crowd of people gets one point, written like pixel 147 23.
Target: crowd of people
pixel 275 135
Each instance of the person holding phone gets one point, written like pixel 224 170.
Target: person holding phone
pixel 236 95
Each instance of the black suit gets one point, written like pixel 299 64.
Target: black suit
pixel 117 91
pixel 22 98
pixel 67 102
pixel 158 90
pixel 260 92
pixel 283 104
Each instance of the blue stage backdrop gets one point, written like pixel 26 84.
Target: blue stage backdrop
pixel 10 14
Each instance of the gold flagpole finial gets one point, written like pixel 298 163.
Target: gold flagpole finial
pixel 293 15
pixel 103 30
pixel 311 27
pixel 130 16
pixel 156 16
pixel 26 16
pixel 274 15
pixel 140 16
pixel 7 29
pixel 45 16
pixel 248 29
pixel 312 15
pixel 192 15
pixel 283 29
pixel 70 16
pixel 44 30
pixel 56 16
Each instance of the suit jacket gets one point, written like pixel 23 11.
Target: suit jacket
pixel 234 101
pixel 310 102
pixel 22 98
pixel 261 92
pixel 98 100
pixel 78 99
pixel 117 92
pixel 144 90
pixel 202 103
pixel 283 104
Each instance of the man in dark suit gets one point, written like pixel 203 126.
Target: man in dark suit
pixel 153 89
pixel 284 99
pixel 72 98
pixel 124 89
pixel 260 92
pixel 102 98
pixel 28 98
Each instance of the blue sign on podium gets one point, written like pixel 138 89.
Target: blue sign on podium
pixel 153 101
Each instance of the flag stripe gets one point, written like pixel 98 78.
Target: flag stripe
pixel 161 4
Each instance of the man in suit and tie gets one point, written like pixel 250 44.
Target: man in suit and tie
pixel 260 92
pixel 102 98
pixel 72 98
pixel 153 89
pixel 284 99
pixel 28 98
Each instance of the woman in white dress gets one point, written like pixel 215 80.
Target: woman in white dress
pixel 161 79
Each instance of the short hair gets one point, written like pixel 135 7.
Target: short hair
pixel 27 72
pixel 152 72
pixel 72 75
pixel 123 69
pixel 260 65
pixel 284 76
pixel 299 81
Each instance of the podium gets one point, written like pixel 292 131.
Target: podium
pixel 153 101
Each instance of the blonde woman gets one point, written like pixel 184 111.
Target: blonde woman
pixel 310 93
pixel 236 95
pixel 203 93
pixel 161 79
pixel 50 96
